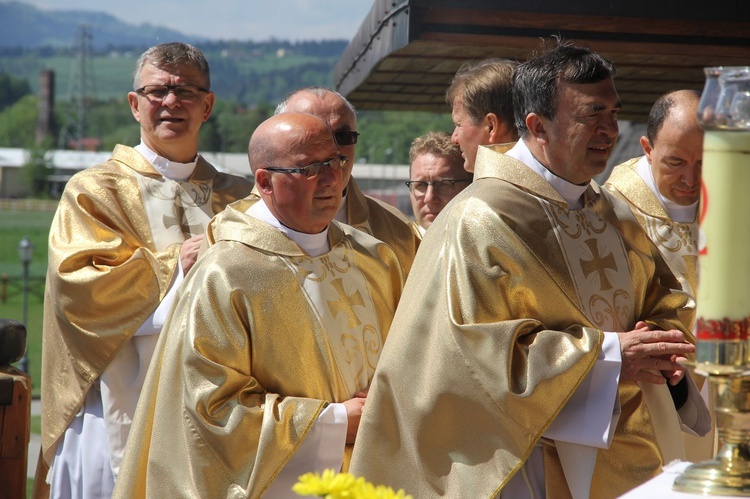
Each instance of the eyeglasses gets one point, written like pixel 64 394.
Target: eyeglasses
pixel 442 187
pixel 313 168
pixel 160 92
pixel 346 137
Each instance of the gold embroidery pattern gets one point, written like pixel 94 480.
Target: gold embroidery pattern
pixel 671 236
pixel 362 354
pixel 599 264
pixel 373 345
pixel 338 291
pixel 181 220
pixel 346 303
pixel 175 211
pixel 317 270
pixel 189 194
pixel 611 316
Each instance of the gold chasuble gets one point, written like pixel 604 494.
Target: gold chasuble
pixel 678 242
pixel 500 321
pixel 679 245
pixel 113 250
pixel 262 337
pixel 384 222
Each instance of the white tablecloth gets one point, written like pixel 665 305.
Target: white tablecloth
pixel 660 487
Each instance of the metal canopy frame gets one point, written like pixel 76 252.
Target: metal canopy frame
pixel 406 52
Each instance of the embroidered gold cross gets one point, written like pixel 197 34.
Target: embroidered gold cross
pixel 346 303
pixel 180 219
pixel 598 264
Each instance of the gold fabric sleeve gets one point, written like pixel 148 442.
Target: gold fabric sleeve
pixel 104 277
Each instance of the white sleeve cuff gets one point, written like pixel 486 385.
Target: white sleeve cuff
pixel 156 320
pixel 590 416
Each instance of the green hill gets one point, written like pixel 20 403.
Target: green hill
pixel 248 77
pixel 243 72
pixel 24 26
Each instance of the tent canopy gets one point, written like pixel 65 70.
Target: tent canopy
pixel 406 52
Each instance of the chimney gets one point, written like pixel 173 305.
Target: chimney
pixel 45 126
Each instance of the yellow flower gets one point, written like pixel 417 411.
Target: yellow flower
pixel 332 485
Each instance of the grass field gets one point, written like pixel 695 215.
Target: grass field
pixel 14 225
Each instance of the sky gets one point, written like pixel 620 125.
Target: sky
pixel 241 20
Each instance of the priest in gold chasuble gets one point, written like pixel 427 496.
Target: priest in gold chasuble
pixel 264 365
pixel 663 186
pixel 524 358
pixel 677 240
pixel 663 191
pixel 123 234
pixel 366 213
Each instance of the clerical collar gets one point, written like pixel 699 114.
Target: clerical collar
pixel 313 244
pixel 677 212
pixel 571 193
pixel 342 215
pixel 169 169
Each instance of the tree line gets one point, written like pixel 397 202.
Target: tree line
pixel 248 78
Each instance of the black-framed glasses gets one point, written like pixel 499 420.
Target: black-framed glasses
pixel 442 187
pixel 313 168
pixel 346 137
pixel 160 92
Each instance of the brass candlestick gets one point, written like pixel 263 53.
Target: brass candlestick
pixel 723 353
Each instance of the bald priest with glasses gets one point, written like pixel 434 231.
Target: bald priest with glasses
pixel 363 212
pixel 264 364
pixel 124 234
pixel 436 175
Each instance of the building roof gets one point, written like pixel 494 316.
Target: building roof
pixel 406 52
pixel 72 161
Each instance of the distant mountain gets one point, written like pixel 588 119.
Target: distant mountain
pixel 24 26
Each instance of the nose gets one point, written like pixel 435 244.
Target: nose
pixel 692 175
pixel 608 126
pixel 454 136
pixel 171 100
pixel 430 194
pixel 329 176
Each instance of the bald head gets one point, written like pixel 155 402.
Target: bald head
pixel 278 149
pixel 333 108
pixel 681 104
pixel 673 145
pixel 285 134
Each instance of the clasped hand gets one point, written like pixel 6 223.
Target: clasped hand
pixel 646 352
pixel 354 408
pixel 189 251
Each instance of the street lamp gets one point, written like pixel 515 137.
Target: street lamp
pixel 25 252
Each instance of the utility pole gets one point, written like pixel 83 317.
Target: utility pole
pixel 78 132
pixel 81 90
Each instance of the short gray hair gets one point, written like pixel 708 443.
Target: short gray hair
pixel 171 55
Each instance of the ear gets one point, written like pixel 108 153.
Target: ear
pixel 647 149
pixel 536 126
pixel 263 181
pixel 210 99
pixel 496 128
pixel 133 101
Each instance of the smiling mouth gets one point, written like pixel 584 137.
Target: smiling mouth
pixel 325 196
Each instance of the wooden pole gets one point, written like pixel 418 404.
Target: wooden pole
pixel 15 410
